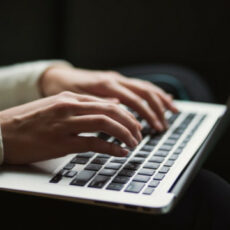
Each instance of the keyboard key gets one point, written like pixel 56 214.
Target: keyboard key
pixel 161 153
pixel 152 142
pixel 159 176
pixel 174 137
pixel 178 131
pixel 182 145
pixel 99 181
pixel 102 155
pixel 121 179
pixel 131 166
pixel 99 160
pixel 56 178
pixel 115 186
pixel 164 169
pixel 70 174
pixel 170 142
pixel 178 151
pixel 69 166
pixel 136 160
pixel 126 172
pixel 63 172
pixel 141 178
pixel 142 154
pixel 147 172
pixel 147 148
pixel 148 191
pixel 135 187
pixel 104 136
pixel 166 147
pixel 79 160
pixel 93 167
pixel 117 142
pixel 83 177
pixel 156 159
pixel 120 160
pixel 173 117
pixel 152 165
pixel 146 130
pixel 157 136
pixel 107 172
pixel 173 157
pixel 169 163
pixel 154 183
pixel 86 155
pixel 115 166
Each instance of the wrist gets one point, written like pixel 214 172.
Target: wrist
pixel 47 80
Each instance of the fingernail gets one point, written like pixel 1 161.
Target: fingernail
pixel 134 142
pixel 139 125
pixel 139 136
pixel 166 125
pixel 159 126
pixel 124 152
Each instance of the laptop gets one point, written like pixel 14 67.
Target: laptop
pixel 151 178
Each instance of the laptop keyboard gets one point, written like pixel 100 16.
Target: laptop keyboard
pixel 142 170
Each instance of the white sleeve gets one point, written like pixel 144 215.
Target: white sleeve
pixel 19 84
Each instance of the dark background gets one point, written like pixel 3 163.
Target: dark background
pixel 107 34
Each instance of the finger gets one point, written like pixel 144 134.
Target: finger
pixel 101 123
pixel 85 144
pixel 168 102
pixel 89 98
pixel 115 112
pixel 134 101
pixel 166 98
pixel 152 99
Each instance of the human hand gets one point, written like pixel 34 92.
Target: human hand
pixel 50 127
pixel 131 92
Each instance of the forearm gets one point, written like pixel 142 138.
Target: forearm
pixel 19 83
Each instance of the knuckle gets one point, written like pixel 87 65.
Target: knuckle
pixel 63 104
pixel 113 108
pixel 138 101
pixel 102 120
pixel 113 73
pixel 105 82
pixel 66 94
pixel 148 94
pixel 125 133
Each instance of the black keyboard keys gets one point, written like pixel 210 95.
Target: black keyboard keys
pixel 148 191
pixel 99 181
pixel 83 177
pixel 135 187
pixel 56 178
pixel 121 179
pixel 115 186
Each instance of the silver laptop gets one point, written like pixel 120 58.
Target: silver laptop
pixel 150 179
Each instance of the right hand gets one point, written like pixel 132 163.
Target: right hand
pixel 48 128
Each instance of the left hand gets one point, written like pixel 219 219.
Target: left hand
pixel 110 84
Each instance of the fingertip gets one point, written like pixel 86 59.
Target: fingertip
pixel 174 109
pixel 123 152
pixel 158 126
pixel 115 100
